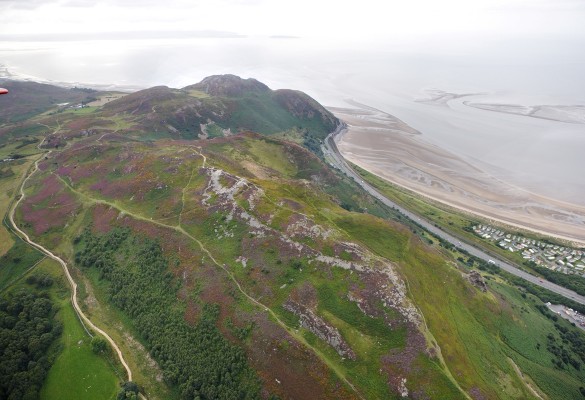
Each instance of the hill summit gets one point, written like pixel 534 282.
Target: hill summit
pixel 222 105
pixel 229 85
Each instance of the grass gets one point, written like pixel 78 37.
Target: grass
pixel 198 94
pixel 392 243
pixel 14 264
pixel 77 372
pixel 16 132
pixel 75 356
pixel 452 220
pixel 25 146
pixel 229 255
pixel 10 177
pixel 214 130
pixel 526 341
pixel 439 292
pixel 476 332
pixel 272 155
pixel 121 329
pixel 80 111
pixel 335 304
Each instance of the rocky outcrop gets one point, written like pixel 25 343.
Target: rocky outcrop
pixel 477 280
pixel 319 327
pixel 221 193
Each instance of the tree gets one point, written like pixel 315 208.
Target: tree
pixel 99 345
pixel 129 390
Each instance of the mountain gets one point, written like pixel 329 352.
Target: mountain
pixel 223 105
pixel 229 86
pixel 27 99
pixel 241 266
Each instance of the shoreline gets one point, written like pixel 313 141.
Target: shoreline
pixel 6 74
pixel 377 142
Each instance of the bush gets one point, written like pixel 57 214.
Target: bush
pixel 99 345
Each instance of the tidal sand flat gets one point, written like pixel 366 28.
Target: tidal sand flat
pixel 439 97
pixel 573 114
pixel 389 148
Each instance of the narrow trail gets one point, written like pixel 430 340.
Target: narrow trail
pixel 184 191
pixel 82 317
pixel 181 230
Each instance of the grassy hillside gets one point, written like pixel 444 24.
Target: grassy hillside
pixel 251 243
pixel 241 266
pixel 218 106
pixel 27 99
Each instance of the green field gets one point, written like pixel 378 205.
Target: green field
pixel 77 371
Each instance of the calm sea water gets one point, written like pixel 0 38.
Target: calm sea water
pixel 543 156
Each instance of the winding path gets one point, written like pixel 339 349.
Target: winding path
pixel 178 228
pixel 82 317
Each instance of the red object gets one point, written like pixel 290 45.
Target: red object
pixel 3 91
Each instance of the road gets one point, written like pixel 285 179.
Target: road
pixel 334 156
pixel 83 318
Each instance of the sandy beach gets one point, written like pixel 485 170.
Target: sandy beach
pixel 389 148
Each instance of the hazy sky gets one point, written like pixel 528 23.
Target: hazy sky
pixel 363 19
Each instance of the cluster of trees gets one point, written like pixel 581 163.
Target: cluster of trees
pixel 99 345
pixel 197 359
pixel 312 143
pixel 128 391
pixel 574 338
pixel 545 311
pixel 41 281
pixel 573 282
pixel 562 355
pixel 543 294
pixel 27 330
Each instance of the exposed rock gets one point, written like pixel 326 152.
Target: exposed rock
pixel 222 191
pixel 477 280
pixel 319 327
pixel 402 388
pixel 300 226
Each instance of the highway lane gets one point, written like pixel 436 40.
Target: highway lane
pixel 334 156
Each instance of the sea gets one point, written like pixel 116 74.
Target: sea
pixel 397 76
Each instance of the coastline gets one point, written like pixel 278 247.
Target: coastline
pixel 380 144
